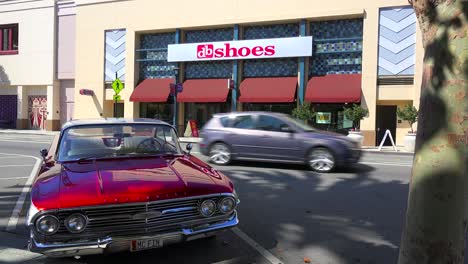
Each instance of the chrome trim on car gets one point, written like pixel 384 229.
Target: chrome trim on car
pixel 53 211
pixel 110 244
pixel 65 223
pixel 205 201
pixel 43 216
pixel 176 210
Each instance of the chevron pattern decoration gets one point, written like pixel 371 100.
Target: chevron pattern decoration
pixel 397 38
pixel 115 55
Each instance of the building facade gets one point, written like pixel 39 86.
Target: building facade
pixel 330 53
pixel 36 63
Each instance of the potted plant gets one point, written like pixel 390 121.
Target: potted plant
pixel 410 115
pixel 303 112
pixel 356 113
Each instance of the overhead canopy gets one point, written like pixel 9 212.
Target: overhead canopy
pixel 268 90
pixel 152 90
pixel 204 91
pixel 335 88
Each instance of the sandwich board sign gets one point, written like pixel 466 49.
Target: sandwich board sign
pixel 387 133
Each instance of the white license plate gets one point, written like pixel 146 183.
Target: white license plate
pixel 143 244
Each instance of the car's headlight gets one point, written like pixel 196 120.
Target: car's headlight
pixel 207 208
pixel 76 223
pixel 227 205
pixel 47 224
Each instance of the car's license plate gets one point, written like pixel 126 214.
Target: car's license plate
pixel 143 244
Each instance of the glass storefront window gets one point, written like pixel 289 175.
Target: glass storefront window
pixel 277 108
pixel 202 112
pixel 331 117
pixel 160 111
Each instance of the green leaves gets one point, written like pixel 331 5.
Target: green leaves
pixel 303 112
pixel 355 113
pixel 409 114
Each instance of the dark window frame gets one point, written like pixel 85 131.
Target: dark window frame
pixel 10 39
pixel 281 123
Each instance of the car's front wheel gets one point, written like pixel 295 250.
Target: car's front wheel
pixel 321 160
pixel 220 154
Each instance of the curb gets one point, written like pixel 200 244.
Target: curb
pixel 386 152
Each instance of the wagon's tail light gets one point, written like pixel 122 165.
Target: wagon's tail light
pixel 47 224
pixel 227 205
pixel 76 223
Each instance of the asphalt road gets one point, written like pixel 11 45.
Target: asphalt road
pixel 288 214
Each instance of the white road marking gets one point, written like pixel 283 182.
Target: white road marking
pixel 388 164
pixel 4 157
pixel 8 197
pixel 14 178
pixel 22 141
pixel 16 165
pixel 13 221
pixel 265 253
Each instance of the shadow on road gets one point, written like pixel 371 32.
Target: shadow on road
pixel 350 217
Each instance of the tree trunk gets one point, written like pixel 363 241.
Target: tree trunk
pixel 435 221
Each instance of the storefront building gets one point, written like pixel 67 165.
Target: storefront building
pixel 236 56
pixel 37 61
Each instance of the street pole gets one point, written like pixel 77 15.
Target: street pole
pixel 174 118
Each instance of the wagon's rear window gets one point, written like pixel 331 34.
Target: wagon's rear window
pixel 102 141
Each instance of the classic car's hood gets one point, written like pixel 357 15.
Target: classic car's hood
pixel 136 180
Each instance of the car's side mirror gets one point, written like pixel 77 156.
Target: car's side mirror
pixel 189 147
pixel 44 153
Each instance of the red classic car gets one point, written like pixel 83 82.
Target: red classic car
pixel 112 185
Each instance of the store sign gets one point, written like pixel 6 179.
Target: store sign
pixel 323 118
pixel 241 49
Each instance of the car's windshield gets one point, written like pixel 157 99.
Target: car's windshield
pixel 102 141
pixel 300 124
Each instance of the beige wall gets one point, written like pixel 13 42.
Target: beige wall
pixel 34 63
pixel 153 16
pixel 66 47
pixel 395 92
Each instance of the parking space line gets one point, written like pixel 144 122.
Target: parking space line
pixel 22 141
pixel 13 221
pixel 265 253
pixel 16 165
pixel 7 157
pixel 13 178
pixel 8 197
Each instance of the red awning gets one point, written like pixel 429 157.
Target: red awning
pixel 335 88
pixel 268 90
pixel 152 90
pixel 204 91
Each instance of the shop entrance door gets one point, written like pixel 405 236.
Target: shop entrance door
pixel 386 119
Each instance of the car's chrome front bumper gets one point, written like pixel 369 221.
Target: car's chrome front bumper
pixel 111 244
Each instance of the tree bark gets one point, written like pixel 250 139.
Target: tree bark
pixel 435 226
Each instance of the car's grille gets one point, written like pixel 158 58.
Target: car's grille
pixel 131 219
